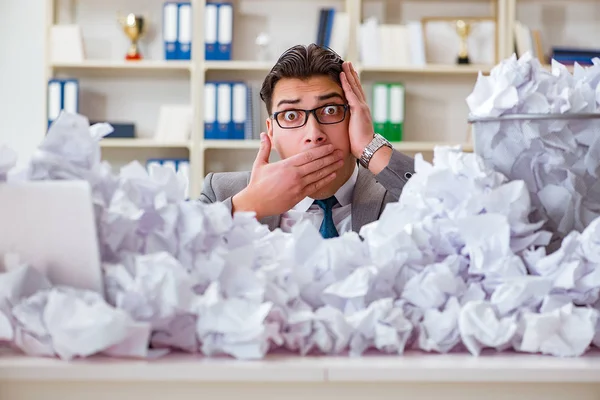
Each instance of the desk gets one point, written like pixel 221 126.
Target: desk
pixel 415 375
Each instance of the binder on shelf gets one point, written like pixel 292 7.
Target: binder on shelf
pixel 223 110
pixel 54 100
pixel 151 163
pixel 181 167
pixel 327 18
pixel 184 37
pixel 239 111
pixel 176 164
pixel 170 30
pixel 63 94
pixel 396 112
pixel 224 31
pixel 380 108
pixel 171 164
pixel 183 170
pixel 321 27
pixel 229 110
pixel 210 31
pixel 210 110
pixel 330 14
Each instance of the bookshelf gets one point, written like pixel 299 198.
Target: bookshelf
pixel 115 90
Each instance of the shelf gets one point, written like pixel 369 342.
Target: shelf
pixel 126 65
pixel 238 66
pixel 433 69
pixel 122 68
pixel 141 143
pixel 408 146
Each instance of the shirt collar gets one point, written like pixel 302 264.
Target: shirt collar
pixel 343 194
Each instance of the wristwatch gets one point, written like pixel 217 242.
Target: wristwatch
pixel 377 142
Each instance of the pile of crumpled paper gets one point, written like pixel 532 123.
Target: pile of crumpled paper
pixel 555 148
pixel 455 265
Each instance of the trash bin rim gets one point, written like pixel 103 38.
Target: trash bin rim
pixel 523 117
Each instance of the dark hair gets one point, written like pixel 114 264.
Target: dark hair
pixel 302 62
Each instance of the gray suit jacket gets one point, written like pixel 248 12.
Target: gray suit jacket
pixel 371 193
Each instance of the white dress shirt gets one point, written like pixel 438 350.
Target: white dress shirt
pixel 307 210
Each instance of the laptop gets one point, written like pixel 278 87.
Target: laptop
pixel 52 227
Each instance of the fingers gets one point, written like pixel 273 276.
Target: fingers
pixel 318 185
pixel 352 78
pixel 322 173
pixel 264 151
pixel 306 157
pixel 320 163
pixel 353 99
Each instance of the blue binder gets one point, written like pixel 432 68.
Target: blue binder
pixel 170 30
pixel 211 17
pixel 329 26
pixel 224 99
pixel 210 110
pixel 184 31
pixel 175 163
pixel 239 110
pixel 224 31
pixel 63 94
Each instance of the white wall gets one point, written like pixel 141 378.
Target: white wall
pixel 22 75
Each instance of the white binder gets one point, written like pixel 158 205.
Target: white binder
pixel 223 109
pixel 210 30
pixel 71 94
pixel 240 109
pixel 185 31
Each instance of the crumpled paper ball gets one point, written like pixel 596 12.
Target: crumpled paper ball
pixel 557 155
pixel 454 265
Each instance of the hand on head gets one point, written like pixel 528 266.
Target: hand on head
pixel 360 127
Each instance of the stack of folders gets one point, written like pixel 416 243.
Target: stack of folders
pixel 63 94
pixel 181 166
pixel 333 30
pixel 231 110
pixel 388 110
pixel 177 30
pixel 218 31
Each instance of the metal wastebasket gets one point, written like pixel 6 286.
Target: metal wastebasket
pixel 556 155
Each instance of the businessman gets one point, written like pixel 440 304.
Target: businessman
pixel 335 171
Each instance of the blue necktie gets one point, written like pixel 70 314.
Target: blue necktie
pixel 327 229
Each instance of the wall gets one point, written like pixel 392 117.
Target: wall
pixel 22 75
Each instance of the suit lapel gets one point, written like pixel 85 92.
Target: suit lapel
pixel 367 199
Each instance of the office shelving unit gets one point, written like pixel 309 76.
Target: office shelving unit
pixel 114 89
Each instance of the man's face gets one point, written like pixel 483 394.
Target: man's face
pixel 292 94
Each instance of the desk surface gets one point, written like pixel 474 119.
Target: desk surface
pixel 411 367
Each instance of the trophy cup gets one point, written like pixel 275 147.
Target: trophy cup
pixel 463 29
pixel 134 27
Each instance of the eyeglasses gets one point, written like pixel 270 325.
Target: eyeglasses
pixel 326 115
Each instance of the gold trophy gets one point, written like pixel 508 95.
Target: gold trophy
pixel 463 29
pixel 134 27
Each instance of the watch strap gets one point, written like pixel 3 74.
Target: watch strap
pixel 375 144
